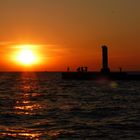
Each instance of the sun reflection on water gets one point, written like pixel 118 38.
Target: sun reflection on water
pixel 24 103
pixel 26 134
pixel 28 107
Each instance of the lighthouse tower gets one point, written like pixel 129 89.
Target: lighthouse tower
pixel 105 69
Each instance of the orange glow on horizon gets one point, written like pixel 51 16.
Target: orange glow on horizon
pixel 49 57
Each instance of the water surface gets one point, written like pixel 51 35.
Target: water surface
pixel 42 106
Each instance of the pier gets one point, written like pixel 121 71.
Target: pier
pixel 105 72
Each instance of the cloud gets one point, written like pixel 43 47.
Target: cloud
pixel 46 49
pixel 5 43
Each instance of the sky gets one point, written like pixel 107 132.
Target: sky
pixel 71 32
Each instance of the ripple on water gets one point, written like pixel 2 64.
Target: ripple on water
pixel 42 106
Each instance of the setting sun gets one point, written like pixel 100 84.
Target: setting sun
pixel 26 55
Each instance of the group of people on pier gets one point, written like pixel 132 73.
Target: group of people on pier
pixel 80 69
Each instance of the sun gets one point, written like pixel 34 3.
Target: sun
pixel 27 55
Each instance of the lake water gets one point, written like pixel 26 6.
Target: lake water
pixel 42 106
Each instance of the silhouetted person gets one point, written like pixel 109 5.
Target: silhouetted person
pixel 68 69
pixel 78 69
pixel 86 69
pixel 82 69
pixel 120 69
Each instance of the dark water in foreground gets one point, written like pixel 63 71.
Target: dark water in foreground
pixel 42 106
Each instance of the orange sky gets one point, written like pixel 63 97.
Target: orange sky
pixel 71 32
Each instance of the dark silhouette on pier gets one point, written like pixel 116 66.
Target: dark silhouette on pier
pixel 82 69
pixel 68 69
pixel 105 69
pixel 83 74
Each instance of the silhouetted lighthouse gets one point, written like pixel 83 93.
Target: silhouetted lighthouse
pixel 105 68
